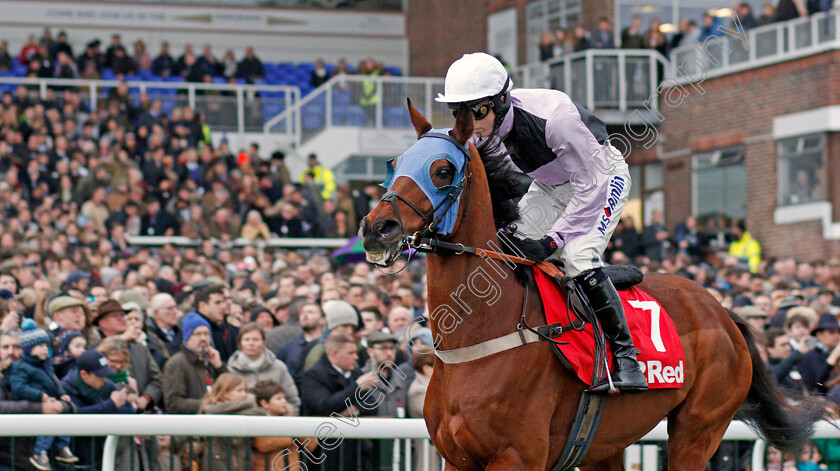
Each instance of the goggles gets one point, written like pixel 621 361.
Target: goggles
pixel 479 111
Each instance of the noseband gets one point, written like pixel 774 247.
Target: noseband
pixel 429 231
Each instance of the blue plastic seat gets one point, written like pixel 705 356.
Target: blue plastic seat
pixel 340 97
pixel 168 105
pixel 271 110
pixel 355 116
pixel 395 117
pixel 312 122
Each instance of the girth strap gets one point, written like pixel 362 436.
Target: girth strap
pixel 501 344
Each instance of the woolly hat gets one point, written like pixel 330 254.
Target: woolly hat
pixel 62 341
pixel 107 275
pixel 425 336
pixel 258 309
pixel 134 296
pixel 76 275
pixel 192 321
pixel 340 313
pixel 31 336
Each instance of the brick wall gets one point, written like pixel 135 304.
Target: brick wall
pixel 740 108
pixel 441 31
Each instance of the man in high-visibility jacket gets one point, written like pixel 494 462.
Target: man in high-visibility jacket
pixel 370 95
pixel 745 248
pixel 320 175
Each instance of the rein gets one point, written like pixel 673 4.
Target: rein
pixel 524 333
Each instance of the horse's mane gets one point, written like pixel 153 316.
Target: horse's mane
pixel 506 189
pixel 506 186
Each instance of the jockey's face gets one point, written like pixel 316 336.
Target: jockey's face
pixel 484 126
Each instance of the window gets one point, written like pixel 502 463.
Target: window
pixel 654 195
pixel 646 193
pixel 801 165
pixel 719 185
pixel 549 15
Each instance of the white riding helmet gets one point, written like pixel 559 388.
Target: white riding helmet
pixel 474 77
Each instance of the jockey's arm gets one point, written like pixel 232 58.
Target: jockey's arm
pixel 582 161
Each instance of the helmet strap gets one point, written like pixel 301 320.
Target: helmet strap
pixel 501 104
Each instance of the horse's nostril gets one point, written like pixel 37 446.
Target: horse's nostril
pixel 386 228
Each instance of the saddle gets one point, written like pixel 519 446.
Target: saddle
pixel 578 342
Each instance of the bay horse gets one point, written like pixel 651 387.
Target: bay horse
pixel 513 410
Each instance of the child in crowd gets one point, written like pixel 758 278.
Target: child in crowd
pixel 777 462
pixel 69 345
pixel 229 395
pixel 167 458
pixel 810 458
pixel 33 379
pixel 798 327
pixel 271 398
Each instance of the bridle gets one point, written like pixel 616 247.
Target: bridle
pixel 424 238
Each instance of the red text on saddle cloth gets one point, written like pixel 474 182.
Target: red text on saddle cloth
pixel 661 359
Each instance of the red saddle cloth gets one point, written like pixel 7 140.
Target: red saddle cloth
pixel 662 359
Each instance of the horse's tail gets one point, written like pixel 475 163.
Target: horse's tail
pixel 782 421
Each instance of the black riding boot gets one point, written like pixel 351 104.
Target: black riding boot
pixel 607 306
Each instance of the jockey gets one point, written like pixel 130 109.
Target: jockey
pixel 581 184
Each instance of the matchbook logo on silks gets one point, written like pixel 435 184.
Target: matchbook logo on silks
pixel 614 196
pixel 656 373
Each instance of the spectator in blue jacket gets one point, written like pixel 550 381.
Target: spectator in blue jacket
pixel 89 389
pixel 709 29
pixel 33 379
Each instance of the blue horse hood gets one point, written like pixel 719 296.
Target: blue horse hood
pixel 416 162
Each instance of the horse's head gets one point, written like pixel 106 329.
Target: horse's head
pixel 425 189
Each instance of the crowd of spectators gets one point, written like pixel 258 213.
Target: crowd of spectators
pixel 132 329
pixel 690 31
pixel 49 57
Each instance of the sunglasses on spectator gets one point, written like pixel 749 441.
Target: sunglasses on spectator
pixel 479 111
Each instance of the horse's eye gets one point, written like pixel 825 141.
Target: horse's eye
pixel 444 176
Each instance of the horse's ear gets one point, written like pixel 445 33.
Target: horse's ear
pixel 421 124
pixel 464 125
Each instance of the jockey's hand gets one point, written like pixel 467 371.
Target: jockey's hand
pixel 548 245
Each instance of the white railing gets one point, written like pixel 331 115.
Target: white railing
pixel 362 101
pixel 227 107
pixel 770 44
pixel 231 426
pixel 599 79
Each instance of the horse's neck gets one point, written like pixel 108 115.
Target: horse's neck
pixel 472 299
